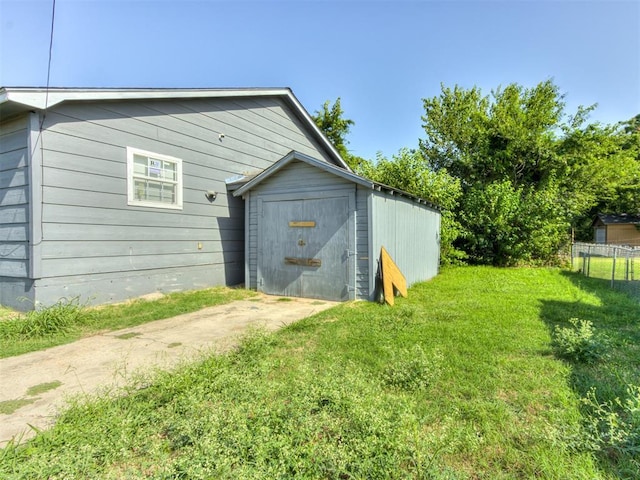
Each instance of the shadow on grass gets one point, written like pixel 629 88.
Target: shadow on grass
pixel 616 318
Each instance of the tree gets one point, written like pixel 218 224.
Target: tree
pixel 330 120
pixel 408 171
pixel 529 172
pixel 482 139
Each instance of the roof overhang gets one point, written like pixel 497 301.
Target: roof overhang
pixel 616 219
pixel 15 100
pixel 327 167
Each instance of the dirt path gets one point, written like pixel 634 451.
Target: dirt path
pixel 42 381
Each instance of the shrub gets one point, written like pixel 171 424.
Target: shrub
pixel 578 342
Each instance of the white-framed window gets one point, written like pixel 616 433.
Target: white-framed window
pixel 153 179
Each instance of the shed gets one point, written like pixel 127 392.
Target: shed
pixel 617 229
pixel 315 230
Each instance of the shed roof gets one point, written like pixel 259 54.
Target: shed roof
pixel 15 100
pixel 253 181
pixel 618 219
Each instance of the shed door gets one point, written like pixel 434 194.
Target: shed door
pixel 304 248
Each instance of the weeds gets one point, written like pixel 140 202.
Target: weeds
pixel 579 342
pixel 69 320
pixel 613 426
pixel 413 369
pixel 57 319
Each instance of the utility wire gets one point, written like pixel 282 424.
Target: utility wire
pixel 46 97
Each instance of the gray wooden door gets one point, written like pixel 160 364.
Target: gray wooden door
pixel 305 248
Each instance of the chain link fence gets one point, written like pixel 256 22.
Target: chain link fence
pixel 619 265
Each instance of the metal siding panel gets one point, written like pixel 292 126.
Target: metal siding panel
pixel 409 231
pixel 362 243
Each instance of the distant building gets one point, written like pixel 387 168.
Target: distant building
pixel 617 229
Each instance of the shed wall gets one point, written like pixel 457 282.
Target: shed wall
pixel 362 244
pixel 96 246
pixel 14 211
pixel 409 232
pixel 623 235
pixel 297 179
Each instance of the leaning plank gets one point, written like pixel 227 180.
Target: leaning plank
pixel 391 277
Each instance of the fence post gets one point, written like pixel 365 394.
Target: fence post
pixel 588 260
pixel 613 270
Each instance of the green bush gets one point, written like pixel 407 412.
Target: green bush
pixel 578 342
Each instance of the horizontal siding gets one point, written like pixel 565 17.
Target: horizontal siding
pixel 14 198
pixel 103 233
pixel 136 261
pixel 69 249
pixel 299 177
pixel 88 228
pixel 623 235
pixel 103 287
pixel 17 293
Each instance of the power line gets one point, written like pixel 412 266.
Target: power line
pixel 46 97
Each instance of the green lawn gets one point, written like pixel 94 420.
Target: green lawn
pixel 70 320
pixel 459 381
pixel 626 274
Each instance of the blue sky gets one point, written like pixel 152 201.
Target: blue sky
pixel 381 57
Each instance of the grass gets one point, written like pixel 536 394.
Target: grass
pixel 7 407
pixel 43 387
pixel 626 275
pixel 458 381
pixel 69 320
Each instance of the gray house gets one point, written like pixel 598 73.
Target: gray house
pixel 109 194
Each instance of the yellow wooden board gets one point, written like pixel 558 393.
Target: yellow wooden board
pixel 302 224
pixel 391 277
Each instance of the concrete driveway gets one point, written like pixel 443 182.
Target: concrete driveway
pixel 41 382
